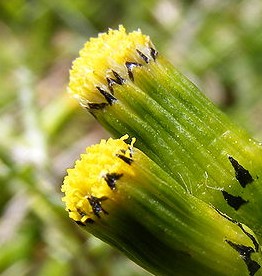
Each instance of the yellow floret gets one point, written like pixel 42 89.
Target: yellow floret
pixel 87 180
pixel 109 51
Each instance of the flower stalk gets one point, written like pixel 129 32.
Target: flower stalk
pixel 131 88
pixel 121 196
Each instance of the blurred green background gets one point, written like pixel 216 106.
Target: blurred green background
pixel 216 43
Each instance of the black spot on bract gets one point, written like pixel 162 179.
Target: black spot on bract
pixel 118 78
pixel 125 159
pixel 89 220
pixel 109 97
pixel 245 253
pixel 240 225
pixel 96 205
pixel 111 179
pixel 80 223
pixel 234 201
pixel 242 175
pixel 113 81
pixel 153 53
pixel 130 66
pixel 143 56
pixel 252 238
pixel 97 106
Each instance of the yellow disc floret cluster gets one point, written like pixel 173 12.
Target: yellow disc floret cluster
pixel 94 177
pixel 109 51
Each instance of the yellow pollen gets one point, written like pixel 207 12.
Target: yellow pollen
pixel 92 179
pixel 109 51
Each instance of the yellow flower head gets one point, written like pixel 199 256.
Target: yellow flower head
pixel 106 61
pixel 93 179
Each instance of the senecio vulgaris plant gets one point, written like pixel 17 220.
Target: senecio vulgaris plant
pixel 179 190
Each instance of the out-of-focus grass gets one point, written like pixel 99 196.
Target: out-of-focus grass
pixel 217 43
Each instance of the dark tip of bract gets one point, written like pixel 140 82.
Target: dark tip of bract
pixel 80 223
pixel 242 175
pixel 96 106
pixel 153 53
pixel 95 203
pixel 234 201
pixel 130 66
pixel 143 56
pixel 245 254
pixel 125 159
pixel 109 97
pixel 118 79
pixel 111 179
